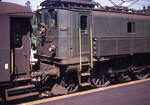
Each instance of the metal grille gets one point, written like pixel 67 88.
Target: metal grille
pixel 139 45
pixel 124 46
pixel 107 47
pixel 148 45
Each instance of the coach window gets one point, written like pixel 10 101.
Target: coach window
pixel 131 27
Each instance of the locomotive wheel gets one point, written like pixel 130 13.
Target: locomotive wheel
pixel 100 81
pixel 69 81
pixel 141 75
pixel 72 88
pixel 124 77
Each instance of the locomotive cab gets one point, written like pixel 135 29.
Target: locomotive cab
pixel 65 40
pixel 62 28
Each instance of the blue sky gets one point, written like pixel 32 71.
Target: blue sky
pixel 34 3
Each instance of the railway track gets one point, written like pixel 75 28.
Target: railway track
pixel 82 91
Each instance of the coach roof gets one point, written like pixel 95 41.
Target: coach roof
pixel 11 8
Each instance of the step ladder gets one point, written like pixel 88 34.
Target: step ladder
pixel 85 67
pixel 84 75
pixel 20 92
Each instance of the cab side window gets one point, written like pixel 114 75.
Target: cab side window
pixel 46 18
pixel 53 21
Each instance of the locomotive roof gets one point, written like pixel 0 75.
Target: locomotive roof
pixel 12 8
pixel 90 5
pixel 74 2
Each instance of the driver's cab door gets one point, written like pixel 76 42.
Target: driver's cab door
pixel 84 25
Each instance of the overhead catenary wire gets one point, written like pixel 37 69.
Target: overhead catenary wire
pixel 131 2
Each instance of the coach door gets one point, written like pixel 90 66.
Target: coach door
pixel 85 35
pixel 20 47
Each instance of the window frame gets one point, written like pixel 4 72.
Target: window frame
pixel 131 27
pixel 53 19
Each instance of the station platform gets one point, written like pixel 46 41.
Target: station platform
pixel 131 93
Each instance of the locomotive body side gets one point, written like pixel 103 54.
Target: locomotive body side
pixel 122 41
pixel 120 33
